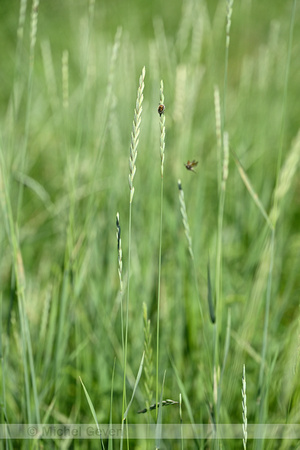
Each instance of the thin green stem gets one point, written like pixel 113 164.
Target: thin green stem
pixel 273 231
pixel 127 311
pixel 159 283
pixel 161 109
pixel 284 101
pixel 132 169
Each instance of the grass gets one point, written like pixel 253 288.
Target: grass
pixel 79 307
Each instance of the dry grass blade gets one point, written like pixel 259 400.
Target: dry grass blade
pixel 92 411
pixel 135 386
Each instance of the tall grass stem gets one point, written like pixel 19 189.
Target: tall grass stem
pixel 132 170
pixel 162 157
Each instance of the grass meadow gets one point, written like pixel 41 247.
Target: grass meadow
pixel 127 280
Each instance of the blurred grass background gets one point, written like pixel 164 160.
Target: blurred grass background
pixel 66 108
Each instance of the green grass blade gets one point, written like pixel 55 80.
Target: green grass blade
pixel 92 409
pixel 138 377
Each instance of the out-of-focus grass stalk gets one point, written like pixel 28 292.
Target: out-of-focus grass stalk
pixel 276 214
pixel 162 157
pixel 189 239
pixel 219 301
pixel 227 42
pixel 221 176
pixel 19 273
pixel 33 34
pixel 219 307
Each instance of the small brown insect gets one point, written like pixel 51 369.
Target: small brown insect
pixel 190 165
pixel 161 109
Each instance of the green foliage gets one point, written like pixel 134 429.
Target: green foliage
pixel 70 72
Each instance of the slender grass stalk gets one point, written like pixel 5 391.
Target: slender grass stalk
pixel 137 380
pixel 284 99
pixel 19 273
pixel 158 430
pixel 219 300
pixel 219 306
pixel 65 79
pixel 226 351
pixel 51 81
pixel 110 442
pixel 189 239
pixel 120 266
pixel 185 399
pixel 33 34
pixel 210 296
pixel 3 370
pixel 107 108
pixel 251 191
pixel 93 411
pixel 132 169
pixel 244 406
pixel 104 126
pixel 162 157
pixel 148 358
pixel 273 232
pixel 218 134
pixel 18 73
pixel 220 126
pixel 180 418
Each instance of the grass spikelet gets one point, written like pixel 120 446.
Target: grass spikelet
pixel 112 67
pixel 119 244
pixel 33 28
pixel 228 23
pixel 148 369
pixel 189 239
pixel 244 406
pixel 50 75
pixel 135 133
pixel 22 16
pixel 185 219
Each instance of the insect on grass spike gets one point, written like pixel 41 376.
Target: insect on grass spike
pixel 161 109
